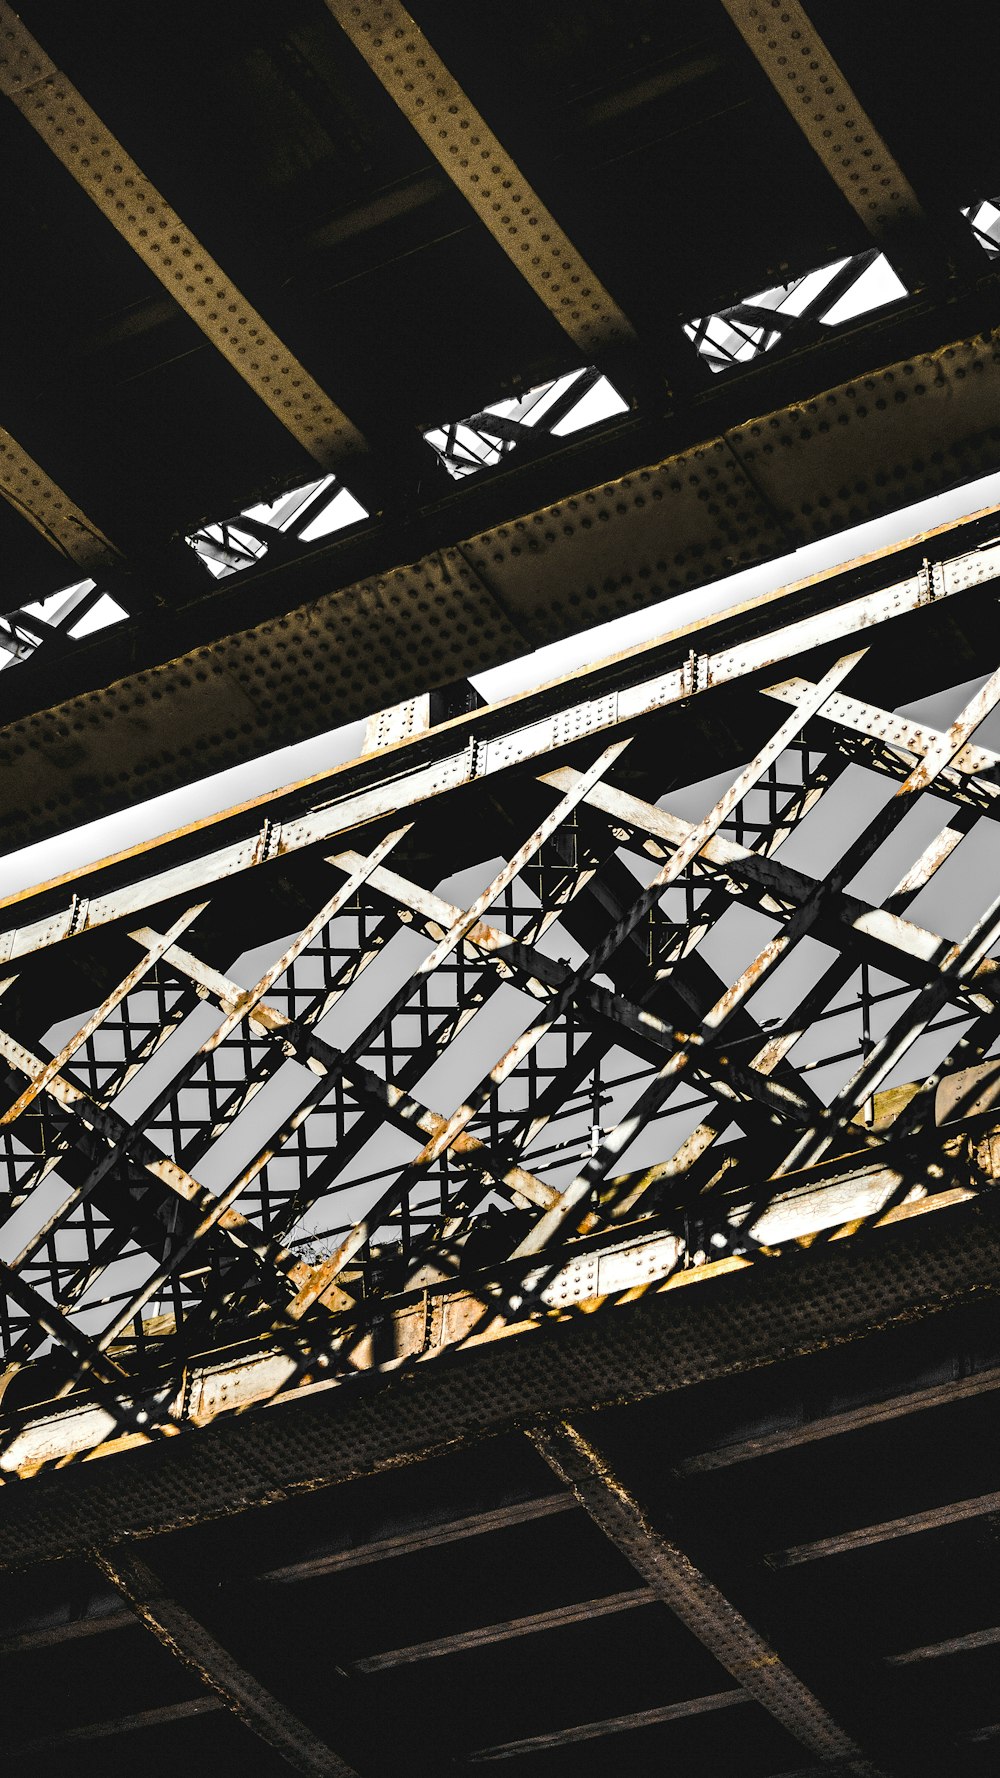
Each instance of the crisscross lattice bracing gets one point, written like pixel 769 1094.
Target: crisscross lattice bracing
pixel 624 1012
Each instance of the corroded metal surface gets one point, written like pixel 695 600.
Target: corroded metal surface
pixel 419 1089
pixel 669 1571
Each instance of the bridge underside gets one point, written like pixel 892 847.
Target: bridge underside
pixel 500 1241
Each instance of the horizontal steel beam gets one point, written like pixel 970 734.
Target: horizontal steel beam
pixel 109 176
pixel 424 1537
pixel 623 521
pixel 101 1614
pixel 608 1726
pixel 935 1518
pixel 736 650
pixel 449 125
pixel 582 1611
pixel 136 1722
pixel 952 1645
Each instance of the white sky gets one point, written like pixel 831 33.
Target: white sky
pixel 84 845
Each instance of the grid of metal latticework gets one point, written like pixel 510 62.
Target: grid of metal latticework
pixel 596 994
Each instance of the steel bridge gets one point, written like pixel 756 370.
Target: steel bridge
pixel 500 1237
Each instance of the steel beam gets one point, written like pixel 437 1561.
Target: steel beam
pixel 179 1632
pixel 608 1726
pixel 431 99
pixel 424 1537
pixel 809 82
pixel 136 1722
pixel 716 1321
pixel 32 493
pixel 113 1616
pixel 952 1512
pixel 669 1571
pixel 581 1611
pixel 425 768
pixel 109 176
pixel 952 1645
pixel 844 1420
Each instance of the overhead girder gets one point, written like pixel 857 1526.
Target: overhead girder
pixel 407 477
pixel 669 1572
pixel 103 168
pixel 461 141
pixel 827 110
pixel 51 511
pixel 177 1629
pixel 668 1011
pixel 824 105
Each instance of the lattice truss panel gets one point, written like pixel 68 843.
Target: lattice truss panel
pixel 683 1004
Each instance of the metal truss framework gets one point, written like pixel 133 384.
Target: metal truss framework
pixel 553 1027
pixel 412 1086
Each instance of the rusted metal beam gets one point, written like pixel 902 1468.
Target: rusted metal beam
pixel 425 1537
pixel 596 702
pixel 136 1722
pixel 125 986
pixel 608 1726
pixel 952 1512
pixel 692 1596
pixel 582 1611
pixel 899 945
pixel 718 1320
pixel 111 179
pixel 449 125
pixel 112 1615
pixel 889 728
pixel 485 1312
pixel 178 1631
pixel 828 112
